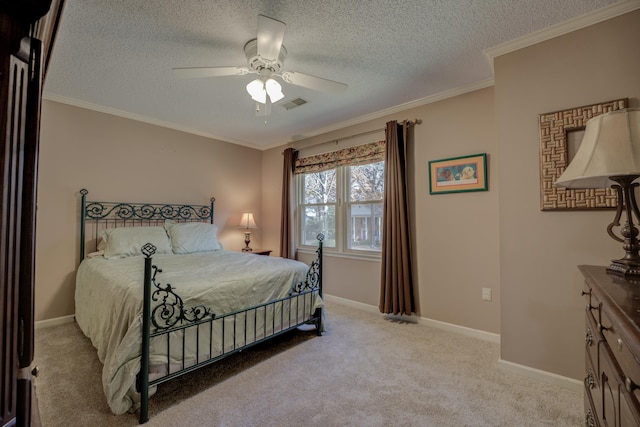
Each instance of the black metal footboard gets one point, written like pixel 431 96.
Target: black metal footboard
pixel 194 337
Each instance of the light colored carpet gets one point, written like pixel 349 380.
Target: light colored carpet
pixel 364 371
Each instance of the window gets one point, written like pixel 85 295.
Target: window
pixel 365 187
pixel 345 204
pixel 318 207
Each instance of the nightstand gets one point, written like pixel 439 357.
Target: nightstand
pixel 260 252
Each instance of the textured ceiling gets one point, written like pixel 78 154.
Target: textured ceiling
pixel 117 56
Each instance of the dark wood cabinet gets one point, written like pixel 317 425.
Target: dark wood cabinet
pixel 612 348
pixel 27 30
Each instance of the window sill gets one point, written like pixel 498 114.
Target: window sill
pixel 308 250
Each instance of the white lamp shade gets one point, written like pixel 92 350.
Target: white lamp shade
pixel 247 221
pixel 274 90
pixel 257 91
pixel 610 147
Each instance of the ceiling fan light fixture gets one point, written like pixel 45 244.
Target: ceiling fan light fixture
pixel 274 90
pixel 265 56
pixel 257 91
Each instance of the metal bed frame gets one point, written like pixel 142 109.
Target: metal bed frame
pixel 163 310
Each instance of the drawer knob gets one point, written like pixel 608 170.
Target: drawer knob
pixel 588 337
pixel 590 380
pixel 630 385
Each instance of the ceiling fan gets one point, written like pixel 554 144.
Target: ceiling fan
pixel 265 57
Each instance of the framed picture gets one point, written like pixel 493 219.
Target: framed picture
pixel 560 137
pixel 458 174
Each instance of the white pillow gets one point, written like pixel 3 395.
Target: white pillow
pixel 128 241
pixel 189 237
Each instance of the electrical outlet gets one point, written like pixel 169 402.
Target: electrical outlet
pixel 486 294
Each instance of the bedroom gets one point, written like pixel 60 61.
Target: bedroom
pixel 500 238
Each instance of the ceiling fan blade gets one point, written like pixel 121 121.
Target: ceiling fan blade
pixel 270 36
pixel 200 72
pixel 313 82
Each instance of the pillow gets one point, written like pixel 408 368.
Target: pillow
pixel 128 241
pixel 189 237
pixel 95 254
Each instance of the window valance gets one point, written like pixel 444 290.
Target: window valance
pixel 362 154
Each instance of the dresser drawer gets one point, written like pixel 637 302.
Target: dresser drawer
pixel 629 409
pixel 591 338
pixel 623 355
pixel 611 385
pixel 619 407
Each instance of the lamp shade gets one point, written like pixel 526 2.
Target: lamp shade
pixel 255 88
pixel 259 89
pixel 274 90
pixel 610 147
pixel 247 221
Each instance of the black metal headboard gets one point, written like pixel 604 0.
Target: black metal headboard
pixel 100 215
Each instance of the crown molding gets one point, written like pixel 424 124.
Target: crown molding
pixel 378 114
pixel 562 28
pixel 401 107
pixel 144 119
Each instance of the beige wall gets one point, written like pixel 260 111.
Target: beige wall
pixel 118 159
pixel 456 235
pixel 541 310
pixel 271 198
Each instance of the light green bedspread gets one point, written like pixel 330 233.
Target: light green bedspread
pixel 109 305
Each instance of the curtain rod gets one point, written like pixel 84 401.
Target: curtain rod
pixel 406 122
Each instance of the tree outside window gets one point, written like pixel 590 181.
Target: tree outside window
pixel 320 200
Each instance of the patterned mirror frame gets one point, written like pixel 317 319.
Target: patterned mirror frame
pixel 554 158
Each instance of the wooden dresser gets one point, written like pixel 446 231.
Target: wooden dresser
pixel 612 348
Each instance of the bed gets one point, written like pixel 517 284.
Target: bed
pixel 158 296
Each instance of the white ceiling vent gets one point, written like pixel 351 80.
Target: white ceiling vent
pixel 294 103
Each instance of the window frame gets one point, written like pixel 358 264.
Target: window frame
pixel 342 221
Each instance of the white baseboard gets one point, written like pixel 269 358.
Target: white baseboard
pixel 543 376
pixel 476 333
pixel 351 303
pixel 41 324
pixel 487 336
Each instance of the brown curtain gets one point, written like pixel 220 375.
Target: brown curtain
pixel 396 288
pixel 287 241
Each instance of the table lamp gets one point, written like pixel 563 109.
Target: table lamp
pixel 609 156
pixel 247 223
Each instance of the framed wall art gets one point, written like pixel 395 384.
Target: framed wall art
pixel 458 174
pixel 560 136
